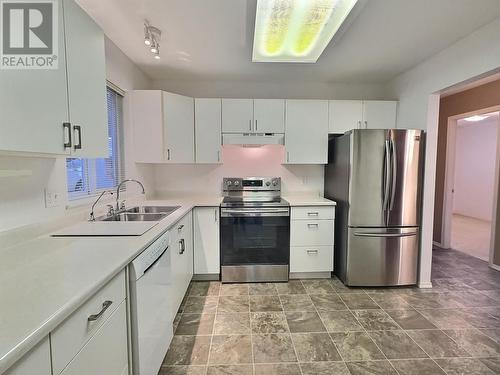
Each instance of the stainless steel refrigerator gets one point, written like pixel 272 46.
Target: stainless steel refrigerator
pixel 375 176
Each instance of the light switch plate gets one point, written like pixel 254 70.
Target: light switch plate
pixel 52 198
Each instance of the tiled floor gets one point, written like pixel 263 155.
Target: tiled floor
pixel 321 327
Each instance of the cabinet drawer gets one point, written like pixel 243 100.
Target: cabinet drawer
pixel 74 332
pixel 311 259
pixel 106 352
pixel 313 212
pixel 311 233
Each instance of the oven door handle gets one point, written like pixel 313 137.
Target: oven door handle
pixel 233 212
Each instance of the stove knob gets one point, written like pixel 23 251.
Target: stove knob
pixel 268 183
pixel 275 182
pixel 236 183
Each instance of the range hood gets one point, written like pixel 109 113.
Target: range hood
pixel 253 139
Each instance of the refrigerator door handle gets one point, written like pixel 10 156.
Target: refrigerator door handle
pixel 387 177
pixel 386 235
pixel 394 173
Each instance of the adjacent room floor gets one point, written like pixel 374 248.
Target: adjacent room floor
pixel 471 236
pixel 321 327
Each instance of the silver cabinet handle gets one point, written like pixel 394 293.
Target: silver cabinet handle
pixel 78 129
pixel 67 134
pixel 168 154
pixel 313 225
pixel 287 157
pixel 105 306
pixel 250 125
pixel 255 125
pixel 182 246
pixel 215 215
pixel 218 155
pixel 313 214
pixel 366 124
pixel 359 124
pixel 312 251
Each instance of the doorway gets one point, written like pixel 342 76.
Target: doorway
pixel 471 183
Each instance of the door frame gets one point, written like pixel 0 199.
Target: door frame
pixel 447 213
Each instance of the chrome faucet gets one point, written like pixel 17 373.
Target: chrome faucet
pixel 118 192
pixel 92 217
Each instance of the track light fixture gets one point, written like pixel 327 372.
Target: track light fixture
pixel 152 37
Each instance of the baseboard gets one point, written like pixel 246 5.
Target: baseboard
pixel 310 275
pixel 206 277
pixel 440 245
pixel 425 285
pixel 494 266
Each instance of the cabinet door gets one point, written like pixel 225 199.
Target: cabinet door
pixel 34 105
pixel 178 120
pixel 269 115
pixel 378 114
pixel 181 244
pixel 207 121
pixel 147 125
pixel 106 352
pixel 306 132
pixel 86 82
pixel 206 240
pixel 344 115
pixel 36 361
pixel 237 115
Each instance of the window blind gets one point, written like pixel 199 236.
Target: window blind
pixel 87 177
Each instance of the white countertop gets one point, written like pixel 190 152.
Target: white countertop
pixel 44 280
pixel 307 200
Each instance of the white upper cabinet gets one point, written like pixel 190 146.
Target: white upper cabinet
pixel 253 115
pixel 162 127
pixel 237 115
pixel 378 114
pixel 306 132
pixel 269 115
pixel 361 114
pixel 35 104
pixel 344 115
pixel 178 118
pixel 86 82
pixel 207 123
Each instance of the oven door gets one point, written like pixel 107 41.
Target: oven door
pixel 255 244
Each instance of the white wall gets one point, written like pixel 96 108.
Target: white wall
pixel 239 162
pixel 270 90
pixel 473 56
pixel 475 161
pixel 22 199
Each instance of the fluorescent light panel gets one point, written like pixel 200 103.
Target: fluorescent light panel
pixel 296 30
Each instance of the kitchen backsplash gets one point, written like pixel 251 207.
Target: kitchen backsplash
pixel 239 162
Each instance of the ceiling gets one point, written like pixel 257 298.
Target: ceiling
pixel 212 39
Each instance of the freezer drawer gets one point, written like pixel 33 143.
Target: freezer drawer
pixel 382 256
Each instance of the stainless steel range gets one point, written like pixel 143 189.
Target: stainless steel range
pixel 254 230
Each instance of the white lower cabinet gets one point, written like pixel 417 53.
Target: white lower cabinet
pixel 69 338
pixel 106 352
pixel 206 240
pixel 181 244
pixel 311 239
pixel 311 258
pixel 36 361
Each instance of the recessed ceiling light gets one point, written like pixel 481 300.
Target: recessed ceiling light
pixel 475 118
pixel 296 30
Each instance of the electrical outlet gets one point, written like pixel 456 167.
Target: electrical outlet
pixel 52 198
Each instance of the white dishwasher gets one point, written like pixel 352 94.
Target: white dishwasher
pixel 151 310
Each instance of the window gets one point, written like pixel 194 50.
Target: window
pixel 88 177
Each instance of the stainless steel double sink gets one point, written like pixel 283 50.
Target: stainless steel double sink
pixel 141 213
